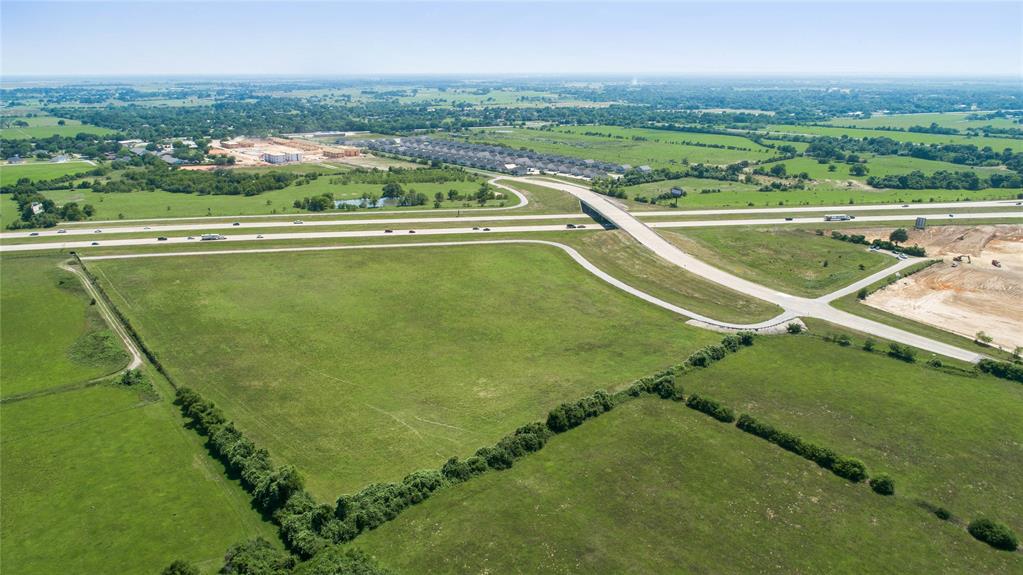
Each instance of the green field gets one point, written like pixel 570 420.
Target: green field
pixel 96 479
pixel 653 487
pixel 880 166
pixel 792 260
pixel 160 204
pixel 740 143
pixel 51 335
pixel 99 481
pixel 11 173
pixel 956 120
pixel 362 366
pixel 997 144
pixel 952 440
pixel 738 195
pixel 46 126
pixel 656 154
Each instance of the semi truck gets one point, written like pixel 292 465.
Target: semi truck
pixel 838 218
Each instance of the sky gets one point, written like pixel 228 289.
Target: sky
pixel 192 37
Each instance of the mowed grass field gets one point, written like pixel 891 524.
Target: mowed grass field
pixel 99 479
pixel 51 335
pixel 365 365
pixel 654 487
pixel 795 261
pixel 656 154
pixel 951 440
pixel 739 143
pixel 46 126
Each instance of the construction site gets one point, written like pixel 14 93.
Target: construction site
pixel 274 151
pixel 977 287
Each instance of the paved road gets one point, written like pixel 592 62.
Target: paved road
pixel 794 306
pixel 818 220
pixel 101 241
pixel 836 209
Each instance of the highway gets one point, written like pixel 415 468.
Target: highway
pixel 794 306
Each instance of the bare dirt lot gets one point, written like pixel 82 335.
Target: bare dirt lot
pixel 963 297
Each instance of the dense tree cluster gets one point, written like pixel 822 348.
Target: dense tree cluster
pixel 945 180
pixel 159 176
pixel 87 145
pixel 406 176
pixel 1003 369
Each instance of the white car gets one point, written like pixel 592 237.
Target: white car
pixel 61 231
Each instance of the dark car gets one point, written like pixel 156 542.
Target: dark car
pixel 236 224
pixel 388 231
pixel 788 219
pixel 161 239
pixel 412 231
pixel 95 243
pixel 34 234
pixel 581 226
pixel 476 228
pixel 486 229
pixel 570 226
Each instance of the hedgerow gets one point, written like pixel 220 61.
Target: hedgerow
pixel 845 467
pixel 711 408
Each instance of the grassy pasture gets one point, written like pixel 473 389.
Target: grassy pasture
pixel 654 487
pixel 671 137
pixel 97 480
pixel 879 166
pixel 362 366
pixel 997 144
pixel 787 259
pixel 957 120
pixel 160 204
pixel 51 335
pixel 952 440
pixel 46 126
pixel 739 195
pixel 636 153
pixel 11 173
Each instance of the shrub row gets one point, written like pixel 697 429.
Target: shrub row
pixel 1002 369
pixel 711 408
pixel 845 467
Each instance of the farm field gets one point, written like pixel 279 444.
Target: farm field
pixel 625 151
pixel 956 120
pixel 46 126
pixel 948 439
pixel 72 345
pixel 795 261
pixel 654 487
pixel 997 144
pixel 394 360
